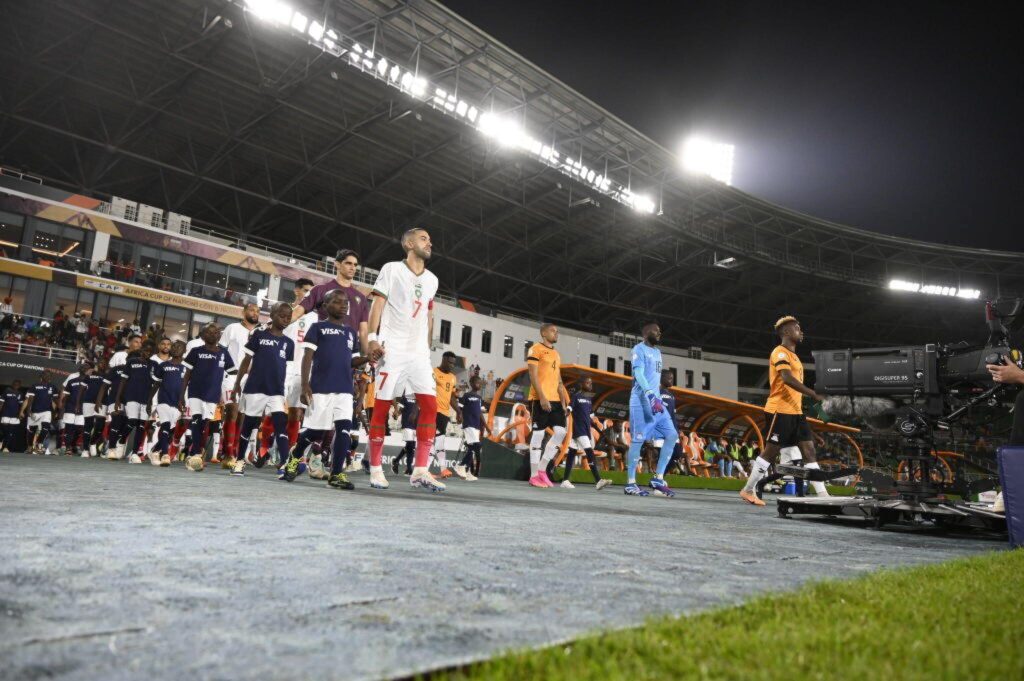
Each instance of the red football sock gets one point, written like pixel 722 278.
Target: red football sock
pixel 293 432
pixel 426 427
pixel 229 440
pixel 266 434
pixel 377 429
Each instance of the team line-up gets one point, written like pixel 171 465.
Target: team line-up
pixel 303 367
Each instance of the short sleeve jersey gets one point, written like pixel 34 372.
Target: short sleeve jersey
pixel 42 397
pixel 472 406
pixel 208 368
pixel 234 338
pixel 549 366
pixel 92 388
pixel 781 398
pixel 297 331
pixel 582 408
pixel 136 375
pixel 73 387
pixel 333 345
pixel 12 404
pixel 113 381
pixel 170 376
pixel 405 322
pixel 669 400
pixel 269 355
pixel 445 391
pixel 358 307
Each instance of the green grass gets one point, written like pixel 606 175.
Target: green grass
pixel 685 481
pixel 958 620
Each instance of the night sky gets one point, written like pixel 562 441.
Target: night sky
pixel 901 118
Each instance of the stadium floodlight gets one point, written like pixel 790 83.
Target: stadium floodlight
pixel 934 289
pixel 273 11
pixel 705 157
pixel 299 22
pixel 505 131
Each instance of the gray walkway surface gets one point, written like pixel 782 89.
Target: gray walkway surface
pixel 112 571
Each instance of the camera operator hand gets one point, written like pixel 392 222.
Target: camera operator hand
pixel 1006 373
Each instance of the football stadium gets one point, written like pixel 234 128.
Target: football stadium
pixel 340 340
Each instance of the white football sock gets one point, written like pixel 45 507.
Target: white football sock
pixel 757 471
pixel 817 485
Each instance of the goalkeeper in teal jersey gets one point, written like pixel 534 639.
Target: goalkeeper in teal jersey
pixel 648 418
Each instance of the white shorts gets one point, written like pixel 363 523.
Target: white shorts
pixel 399 374
pixel 582 443
pixel 408 434
pixel 790 454
pixel 197 406
pixel 89 410
pixel 258 404
pixel 167 413
pixel 472 435
pixel 38 418
pixel 326 409
pixel 229 384
pixel 293 392
pixel 10 421
pixel 136 410
pixel 73 419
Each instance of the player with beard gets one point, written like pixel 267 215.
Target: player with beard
pixel 400 329
pixel 234 338
pixel 785 424
pixel 648 417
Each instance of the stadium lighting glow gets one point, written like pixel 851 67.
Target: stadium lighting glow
pixel 705 157
pixel 504 131
pixel 934 289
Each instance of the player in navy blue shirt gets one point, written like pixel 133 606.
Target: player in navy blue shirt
pixel 10 414
pixel 94 418
pixel 133 398
pixel 264 368
pixel 326 375
pixel 471 407
pixel 582 407
pixel 39 407
pixel 168 377
pixel 71 405
pixel 669 400
pixel 406 404
pixel 105 405
pixel 205 368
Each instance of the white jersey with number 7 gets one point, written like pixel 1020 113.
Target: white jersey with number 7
pixel 405 323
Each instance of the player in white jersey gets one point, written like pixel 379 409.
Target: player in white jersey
pixel 234 338
pixel 293 377
pixel 401 324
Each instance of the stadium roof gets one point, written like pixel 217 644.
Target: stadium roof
pixel 209 109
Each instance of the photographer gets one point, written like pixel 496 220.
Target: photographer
pixel 1011 373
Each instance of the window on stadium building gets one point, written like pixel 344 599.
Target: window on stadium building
pixel 675 375
pixel 56 240
pixel 467 336
pixel 509 342
pixel 627 367
pixel 485 342
pixel 611 365
pixel 593 361
pixel 16 288
pixel 446 331
pixel 12 229
pixel 120 250
pixel 689 378
pixel 705 383
pixel 526 349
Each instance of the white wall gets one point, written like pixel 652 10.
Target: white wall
pixel 574 347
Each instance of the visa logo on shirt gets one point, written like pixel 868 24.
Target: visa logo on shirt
pixel 267 341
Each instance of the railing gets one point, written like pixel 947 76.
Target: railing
pixel 39 351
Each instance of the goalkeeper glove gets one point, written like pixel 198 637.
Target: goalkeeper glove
pixel 657 406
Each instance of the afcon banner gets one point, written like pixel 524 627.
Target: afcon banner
pixel 120 288
pixel 54 205
pixel 27 368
